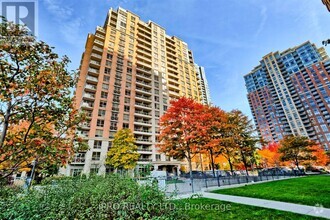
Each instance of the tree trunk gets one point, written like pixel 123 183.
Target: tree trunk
pixel 212 162
pixel 297 164
pixel 244 162
pixel 5 125
pixel 190 172
pixel 231 166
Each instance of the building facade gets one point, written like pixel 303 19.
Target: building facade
pixel 289 93
pixel 204 86
pixel 129 72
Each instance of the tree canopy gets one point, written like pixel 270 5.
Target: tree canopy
pixel 37 115
pixel 123 152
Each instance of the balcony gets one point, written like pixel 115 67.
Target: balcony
pixel 143 82
pixel 100 29
pixel 92 79
pixel 142 105
pixel 97 56
pixel 145 159
pixel 92 70
pixel 143 113
pixel 144 76
pixel 143 131
pixel 97 49
pixel 87 105
pixel 143 90
pixel 141 121
pixel 89 95
pixel 100 43
pixel 143 97
pixel 143 139
pixel 95 63
pixel 78 160
pixel 90 87
pixel 144 149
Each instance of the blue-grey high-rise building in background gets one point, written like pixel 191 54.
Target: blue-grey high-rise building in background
pixel 289 93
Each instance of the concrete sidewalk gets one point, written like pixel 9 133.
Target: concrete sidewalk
pixel 284 206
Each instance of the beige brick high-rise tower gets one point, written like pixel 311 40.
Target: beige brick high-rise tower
pixel 128 73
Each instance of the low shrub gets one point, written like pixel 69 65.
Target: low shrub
pixel 110 197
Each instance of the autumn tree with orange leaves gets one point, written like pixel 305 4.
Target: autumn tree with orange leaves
pixel 270 157
pixel 183 132
pixel 37 115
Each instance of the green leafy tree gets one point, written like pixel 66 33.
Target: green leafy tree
pixel 243 138
pixel 38 119
pixel 296 149
pixel 123 153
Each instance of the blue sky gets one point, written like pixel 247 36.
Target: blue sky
pixel 227 37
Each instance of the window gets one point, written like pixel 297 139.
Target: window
pixel 106 78
pixel 104 95
pixel 126 108
pixel 96 155
pixel 127 92
pixel 113 125
pixel 105 86
pixel 103 104
pixel 111 134
pixel 125 125
pixel 94 170
pixel 324 128
pixel 75 172
pixel 100 123
pixel 108 63
pixel 127 100
pixel 126 117
pixel 116 98
pixel 157 157
pixel 128 85
pixel 107 70
pixel 97 144
pixel 109 56
pixel 101 113
pixel 98 133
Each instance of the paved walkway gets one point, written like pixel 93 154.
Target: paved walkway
pixel 270 204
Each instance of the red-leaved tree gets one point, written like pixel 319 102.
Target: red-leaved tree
pixel 183 132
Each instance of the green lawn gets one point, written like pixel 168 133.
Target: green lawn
pixel 205 209
pixel 309 190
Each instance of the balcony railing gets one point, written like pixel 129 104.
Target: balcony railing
pixel 142 104
pixel 78 160
pixel 143 121
pixel 143 139
pixel 94 79
pixel 145 159
pixel 90 87
pixel 144 149
pixel 143 97
pixel 143 113
pixel 92 70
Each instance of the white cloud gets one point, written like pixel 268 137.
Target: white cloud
pixel 69 24
pixel 264 17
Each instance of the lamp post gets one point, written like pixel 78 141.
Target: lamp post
pixel 34 163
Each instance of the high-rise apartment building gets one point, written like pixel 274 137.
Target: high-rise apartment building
pixel 129 72
pixel 289 93
pixel 204 86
